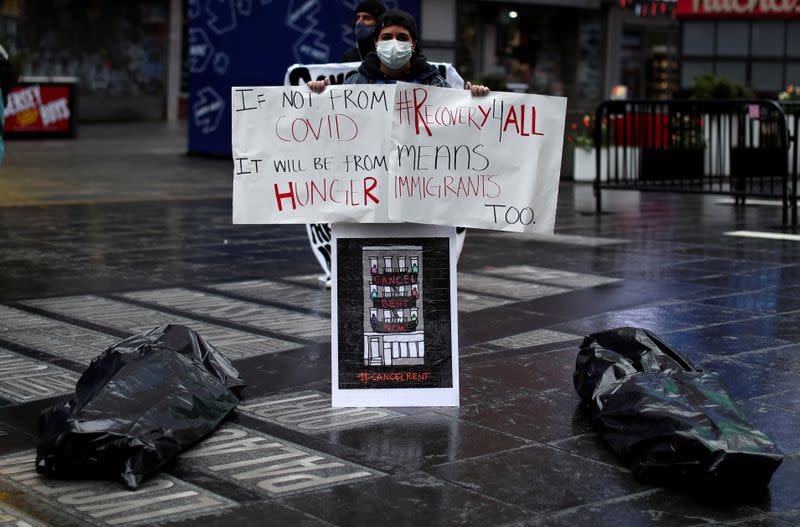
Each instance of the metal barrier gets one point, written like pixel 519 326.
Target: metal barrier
pixel 792 111
pixel 736 147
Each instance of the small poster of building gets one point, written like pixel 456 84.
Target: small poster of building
pixel 393 323
pixel 394 338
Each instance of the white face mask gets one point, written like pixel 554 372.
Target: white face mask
pixel 393 53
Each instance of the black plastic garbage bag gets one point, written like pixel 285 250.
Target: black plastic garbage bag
pixel 137 406
pixel 670 421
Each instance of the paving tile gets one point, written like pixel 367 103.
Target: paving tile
pixel 416 498
pixel 786 358
pixel 745 382
pixel 23 379
pixel 764 301
pixel 537 372
pixel 780 425
pixel 569 239
pixel 269 465
pixel 11 517
pixel 109 503
pixel 540 478
pixel 542 417
pixel 424 440
pixel 659 318
pixel 282 372
pixel 469 302
pixel 249 314
pixel 534 338
pixel 788 400
pixel 591 446
pixel 253 514
pixel 310 412
pixel 483 390
pixel 476 284
pixel 727 339
pixel 763 521
pixel 114 314
pixel 784 492
pixel 53 337
pixel 651 507
pixel 14 440
pixel 792 518
pixel 280 292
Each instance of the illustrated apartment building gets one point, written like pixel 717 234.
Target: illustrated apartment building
pixel 393 322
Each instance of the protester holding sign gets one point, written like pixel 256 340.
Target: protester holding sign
pixel 366 16
pixel 395 58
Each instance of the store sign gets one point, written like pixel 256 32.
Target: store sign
pixel 396 153
pixel 738 8
pixel 39 108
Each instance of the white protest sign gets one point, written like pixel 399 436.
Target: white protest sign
pixel 302 157
pixel 336 73
pixel 397 153
pixel 489 162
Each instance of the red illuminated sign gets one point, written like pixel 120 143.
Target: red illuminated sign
pixel 738 9
pixel 39 108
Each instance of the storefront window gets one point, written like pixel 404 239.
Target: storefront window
pixel 761 54
pixel 589 75
pixel 698 38
pixel 525 48
pixel 732 39
pixel 631 74
pixel 767 76
pixel 767 39
pixel 733 71
pixel 693 68
pixel 112 48
pixel 793 39
pixel 793 74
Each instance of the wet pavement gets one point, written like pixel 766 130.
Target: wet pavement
pixel 117 232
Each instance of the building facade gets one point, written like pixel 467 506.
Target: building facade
pixel 755 42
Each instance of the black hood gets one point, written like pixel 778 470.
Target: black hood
pixel 420 69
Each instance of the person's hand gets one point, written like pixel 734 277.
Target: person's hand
pixel 477 90
pixel 317 86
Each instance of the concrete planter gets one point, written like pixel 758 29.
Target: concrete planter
pixel 583 169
